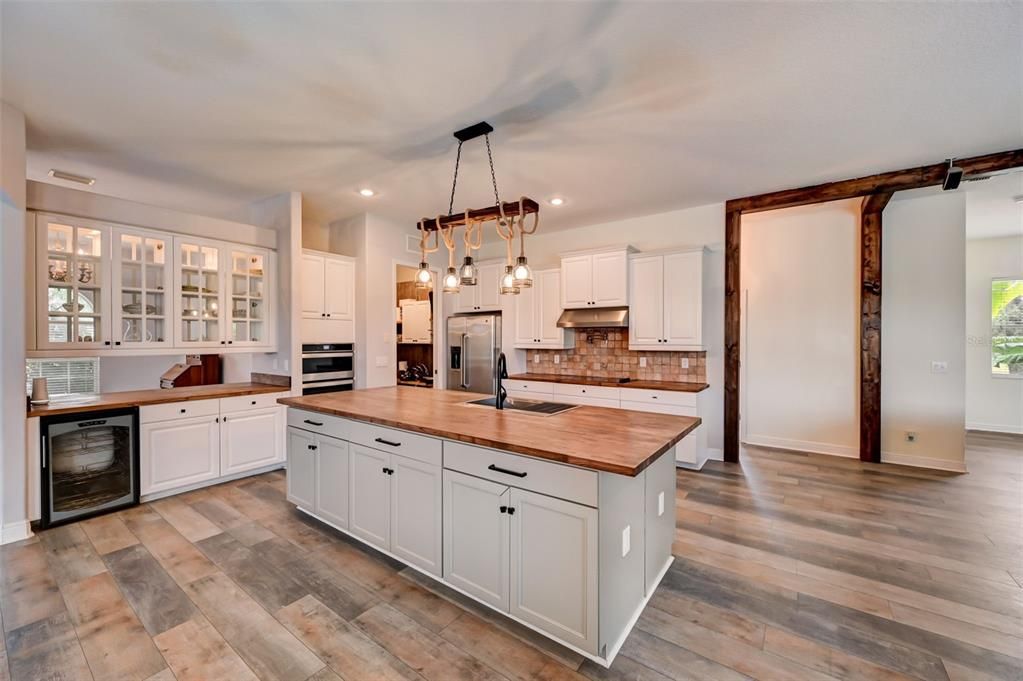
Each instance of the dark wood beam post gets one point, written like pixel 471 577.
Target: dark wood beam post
pixel 733 308
pixel 870 326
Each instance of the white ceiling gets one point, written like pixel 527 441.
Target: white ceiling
pixel 992 209
pixel 624 108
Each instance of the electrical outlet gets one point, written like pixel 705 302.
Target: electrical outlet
pixel 910 436
pixel 626 540
pixel 660 504
pixel 557 359
pixel 642 362
pixel 536 358
pixel 685 363
pixel 939 367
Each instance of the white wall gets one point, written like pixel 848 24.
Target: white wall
pixel 923 312
pixel 13 474
pixel 993 403
pixel 703 225
pixel 800 340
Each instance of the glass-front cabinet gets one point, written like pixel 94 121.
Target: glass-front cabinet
pixel 200 293
pixel 247 306
pixel 142 275
pixel 73 304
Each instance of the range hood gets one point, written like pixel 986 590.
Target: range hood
pixel 595 318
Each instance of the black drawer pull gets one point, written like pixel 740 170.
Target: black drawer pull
pixel 498 469
pixel 313 423
pixel 387 442
pixel 182 411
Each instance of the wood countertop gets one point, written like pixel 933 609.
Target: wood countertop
pixel 676 386
pixel 138 398
pixel 597 438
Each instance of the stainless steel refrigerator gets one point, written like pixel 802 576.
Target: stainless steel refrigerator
pixel 474 342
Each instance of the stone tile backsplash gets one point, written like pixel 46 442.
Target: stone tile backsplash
pixel 612 358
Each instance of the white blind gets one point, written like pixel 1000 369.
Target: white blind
pixel 65 377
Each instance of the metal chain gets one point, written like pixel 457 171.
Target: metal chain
pixel 454 182
pixel 493 177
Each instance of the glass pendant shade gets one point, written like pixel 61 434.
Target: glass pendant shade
pixel 523 275
pixel 452 283
pixel 469 272
pixel 508 286
pixel 423 277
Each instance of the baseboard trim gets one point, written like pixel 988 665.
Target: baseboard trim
pixel 210 483
pixel 923 462
pixel 995 428
pixel 802 446
pixel 16 531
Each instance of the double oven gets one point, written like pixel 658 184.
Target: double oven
pixel 327 367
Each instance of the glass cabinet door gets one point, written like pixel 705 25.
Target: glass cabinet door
pixel 199 291
pixel 75 290
pixel 142 276
pixel 248 308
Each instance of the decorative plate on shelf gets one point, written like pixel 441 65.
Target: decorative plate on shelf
pixel 136 308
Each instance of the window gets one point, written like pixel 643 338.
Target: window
pixel 1007 327
pixel 64 377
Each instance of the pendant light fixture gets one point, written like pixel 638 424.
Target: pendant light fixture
pixel 517 273
pixel 424 278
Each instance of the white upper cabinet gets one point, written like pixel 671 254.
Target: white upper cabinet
pixel 485 295
pixel 199 290
pixel 666 312
pixel 142 269
pixel 248 309
pixel 536 314
pixel 328 286
pixel 595 278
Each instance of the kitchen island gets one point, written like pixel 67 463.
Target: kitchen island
pixel 562 522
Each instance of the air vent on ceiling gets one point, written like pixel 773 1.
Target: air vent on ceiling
pixel 412 244
pixel 71 177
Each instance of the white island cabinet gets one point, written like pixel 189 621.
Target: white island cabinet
pixel 571 552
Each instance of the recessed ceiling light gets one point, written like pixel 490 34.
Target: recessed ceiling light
pixel 71 177
pixel 367 192
pixel 557 201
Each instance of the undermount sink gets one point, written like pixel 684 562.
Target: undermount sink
pixel 527 406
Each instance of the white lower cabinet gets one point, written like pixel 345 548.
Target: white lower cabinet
pixel 179 453
pixel 301 469
pixel 476 537
pixel 370 496
pixel 416 512
pixel 554 566
pixel 332 464
pixel 251 439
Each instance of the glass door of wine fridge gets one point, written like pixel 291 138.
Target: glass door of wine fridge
pixel 89 464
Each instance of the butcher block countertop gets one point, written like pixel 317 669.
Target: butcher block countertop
pixel 597 438
pixel 676 386
pixel 138 398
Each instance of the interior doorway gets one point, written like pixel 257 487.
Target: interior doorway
pixel 416 313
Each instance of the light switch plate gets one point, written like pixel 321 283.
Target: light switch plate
pixel 557 359
pixel 536 358
pixel 626 540
pixel 660 503
pixel 939 367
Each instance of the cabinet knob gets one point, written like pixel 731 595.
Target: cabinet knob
pixel 223 342
pixel 511 510
pixel 182 411
pixel 253 402
pixel 117 342
pixel 503 509
pixel 106 342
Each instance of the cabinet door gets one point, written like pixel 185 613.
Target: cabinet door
pixel 249 439
pixel 576 281
pixel 178 453
pixel 525 317
pixel 332 466
pixel 489 287
pixel 199 285
pixel 313 277
pixel 248 312
pixel 369 495
pixel 142 281
pixel 416 322
pixel 73 273
pixel 547 289
pixel 416 513
pixel 339 285
pixel 646 312
pixel 610 279
pixel 683 298
pixel 554 567
pixel 476 537
pixel 302 468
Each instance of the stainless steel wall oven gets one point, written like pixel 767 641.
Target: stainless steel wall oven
pixel 89 464
pixel 327 367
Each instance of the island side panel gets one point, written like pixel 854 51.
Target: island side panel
pixel 660 517
pixel 622 558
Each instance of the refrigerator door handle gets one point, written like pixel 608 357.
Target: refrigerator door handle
pixel 465 358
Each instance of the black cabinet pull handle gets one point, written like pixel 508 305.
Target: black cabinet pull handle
pixel 511 510
pixel 387 442
pixel 498 469
pixel 313 423
pixel 312 447
pixel 504 509
pixel 253 401
pixel 387 471
pixel 182 411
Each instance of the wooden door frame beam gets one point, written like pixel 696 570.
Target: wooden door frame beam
pixel 880 184
pixel 870 325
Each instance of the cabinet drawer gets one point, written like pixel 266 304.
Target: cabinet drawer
pixel 601 391
pixel 534 387
pixel 545 477
pixel 659 408
pixel 230 405
pixel 587 400
pixel 659 397
pixel 318 423
pixel 151 413
pixel 411 445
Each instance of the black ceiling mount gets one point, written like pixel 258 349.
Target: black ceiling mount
pixel 474 131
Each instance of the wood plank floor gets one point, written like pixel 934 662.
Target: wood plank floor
pixel 789 566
